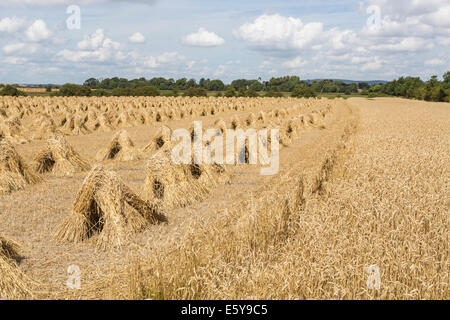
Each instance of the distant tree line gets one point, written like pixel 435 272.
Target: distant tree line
pixel 74 90
pixel 159 83
pixel 408 87
pixel 281 84
pixel 415 88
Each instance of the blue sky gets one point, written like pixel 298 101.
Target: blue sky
pixel 361 40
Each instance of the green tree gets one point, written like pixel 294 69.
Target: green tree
pixel 181 84
pixel 147 91
pixel 9 90
pixel 216 85
pixel 273 94
pixel 230 92
pixel 92 83
pixel 71 90
pixel 195 92
pixel 305 92
pixel 446 77
pixel 99 93
pixel 363 85
pixel 256 86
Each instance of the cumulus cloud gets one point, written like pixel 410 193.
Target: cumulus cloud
pixel 170 57
pixel 434 62
pixel 371 66
pixel 23 48
pixel 412 27
pixel 38 31
pixel 164 58
pixel 94 48
pixel 92 41
pixel 137 38
pixel 203 38
pixel 295 63
pixel 275 32
pixel 440 17
pixel 15 60
pixel 401 9
pixel 413 16
pixel 410 44
pixel 151 62
pixel 11 24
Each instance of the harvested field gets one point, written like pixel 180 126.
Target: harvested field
pixel 360 183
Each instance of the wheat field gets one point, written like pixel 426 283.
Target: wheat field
pixel 362 182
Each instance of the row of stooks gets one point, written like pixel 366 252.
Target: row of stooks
pixel 21 124
pixel 105 206
pixel 167 185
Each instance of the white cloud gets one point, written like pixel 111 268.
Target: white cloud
pixel 400 9
pixel 151 62
pixel 11 25
pixel 164 58
pixel 38 31
pixel 78 56
pixel 265 64
pixel 137 38
pixel 94 48
pixel 359 60
pixel 410 44
pixel 203 38
pixel 190 64
pixel 434 13
pixel 440 18
pixel 280 33
pixel 23 48
pixel 220 70
pixel 407 27
pixel 294 64
pixel 371 66
pixel 15 60
pixel 92 41
pixel 434 62
pixel 170 57
pixel 13 47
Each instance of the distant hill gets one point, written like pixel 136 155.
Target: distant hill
pixel 370 82
pixel 31 85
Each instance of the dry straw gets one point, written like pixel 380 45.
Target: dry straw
pixel 13 130
pixel 235 123
pixel 121 147
pixel 171 185
pixel 12 280
pixel 107 207
pixel 14 173
pixel 220 125
pixel 251 119
pixel 160 139
pixel 262 117
pixel 58 157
